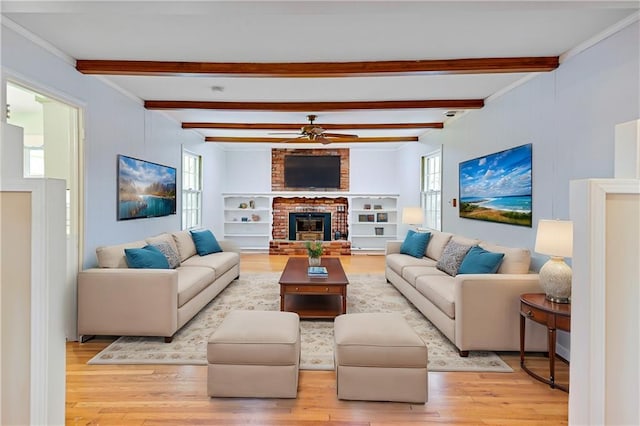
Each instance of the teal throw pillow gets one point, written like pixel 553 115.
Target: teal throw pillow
pixel 147 257
pixel 205 242
pixel 480 261
pixel 415 243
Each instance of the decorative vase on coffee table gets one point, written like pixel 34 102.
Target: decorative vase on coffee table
pixel 314 261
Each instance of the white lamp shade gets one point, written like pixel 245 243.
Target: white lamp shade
pixel 555 238
pixel 412 215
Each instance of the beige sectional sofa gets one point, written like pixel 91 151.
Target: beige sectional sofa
pixel 474 311
pixel 114 299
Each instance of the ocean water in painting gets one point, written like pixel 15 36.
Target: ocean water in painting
pixel 515 203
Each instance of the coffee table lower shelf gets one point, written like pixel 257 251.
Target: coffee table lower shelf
pixel 311 306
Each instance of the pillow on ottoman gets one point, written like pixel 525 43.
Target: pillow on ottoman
pixel 452 257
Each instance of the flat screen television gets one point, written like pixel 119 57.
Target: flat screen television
pixel 145 189
pixel 312 171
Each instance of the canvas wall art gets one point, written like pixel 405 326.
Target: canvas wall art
pixel 497 187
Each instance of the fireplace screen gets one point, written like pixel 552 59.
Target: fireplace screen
pixel 310 226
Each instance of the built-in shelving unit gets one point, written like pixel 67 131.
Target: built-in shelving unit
pixel 374 221
pixel 247 221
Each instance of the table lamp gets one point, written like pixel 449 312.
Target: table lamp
pixel 412 216
pixel 555 238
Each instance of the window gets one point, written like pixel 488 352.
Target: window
pixel 431 189
pixel 191 190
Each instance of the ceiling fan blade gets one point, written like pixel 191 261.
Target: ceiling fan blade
pixel 293 140
pixel 283 133
pixel 338 135
pixel 322 140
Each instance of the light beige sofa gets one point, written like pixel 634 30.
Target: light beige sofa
pixel 474 311
pixel 114 299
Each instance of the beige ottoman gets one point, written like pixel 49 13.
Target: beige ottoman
pixel 379 358
pixel 255 354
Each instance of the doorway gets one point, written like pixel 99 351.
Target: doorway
pixel 53 149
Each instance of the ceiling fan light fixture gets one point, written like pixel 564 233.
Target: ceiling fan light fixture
pixel 450 113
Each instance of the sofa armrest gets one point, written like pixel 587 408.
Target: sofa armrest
pixel 138 302
pixel 228 245
pixel 487 310
pixel 393 247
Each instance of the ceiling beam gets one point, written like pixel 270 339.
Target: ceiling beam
pixel 293 126
pixel 303 140
pixel 318 106
pixel 320 69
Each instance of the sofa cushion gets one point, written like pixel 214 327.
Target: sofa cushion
pixel 163 238
pixel 440 290
pixel 219 262
pixel 452 257
pixel 205 242
pixel 515 261
pixel 415 243
pixel 437 242
pixel 465 241
pixel 184 242
pixel 113 256
pixel 147 257
pixel 480 261
pixel 397 262
pixel 191 281
pixel 169 253
pixel 412 273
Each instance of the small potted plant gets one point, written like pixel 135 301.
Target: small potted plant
pixel 314 250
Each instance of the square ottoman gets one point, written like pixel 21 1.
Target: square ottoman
pixel 255 354
pixel 379 357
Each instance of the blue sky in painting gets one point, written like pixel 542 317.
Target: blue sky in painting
pixel 143 174
pixel 503 174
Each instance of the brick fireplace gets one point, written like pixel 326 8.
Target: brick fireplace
pixel 329 224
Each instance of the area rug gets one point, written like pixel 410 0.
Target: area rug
pixel 366 293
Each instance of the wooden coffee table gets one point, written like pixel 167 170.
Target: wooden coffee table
pixel 313 297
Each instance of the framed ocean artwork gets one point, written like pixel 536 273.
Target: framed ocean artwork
pixel 498 187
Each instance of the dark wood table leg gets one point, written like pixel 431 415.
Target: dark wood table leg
pixel 522 329
pixel 282 300
pixel 552 357
pixel 344 300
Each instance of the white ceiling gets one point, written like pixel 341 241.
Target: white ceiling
pixel 315 31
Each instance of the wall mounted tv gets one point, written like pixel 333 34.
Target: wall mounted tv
pixel 145 189
pixel 312 171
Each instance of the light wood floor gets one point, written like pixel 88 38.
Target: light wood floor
pixel 176 395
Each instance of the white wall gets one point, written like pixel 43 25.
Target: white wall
pixel 569 116
pixel 114 124
pixel 371 170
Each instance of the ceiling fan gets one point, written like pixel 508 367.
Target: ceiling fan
pixel 315 133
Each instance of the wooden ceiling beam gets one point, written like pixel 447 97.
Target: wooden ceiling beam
pixel 317 106
pixel 320 69
pixel 303 140
pixel 293 126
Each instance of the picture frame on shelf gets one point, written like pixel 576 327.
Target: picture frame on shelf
pixel 367 206
pixel 377 206
pixel 366 218
pixel 379 230
pixel 382 217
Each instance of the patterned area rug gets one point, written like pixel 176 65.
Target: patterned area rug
pixel 366 293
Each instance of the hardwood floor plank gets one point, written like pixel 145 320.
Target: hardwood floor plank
pixel 176 395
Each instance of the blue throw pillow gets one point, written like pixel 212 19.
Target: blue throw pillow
pixel 415 243
pixel 480 261
pixel 148 257
pixel 205 242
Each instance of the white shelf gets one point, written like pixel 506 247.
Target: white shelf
pixel 248 234
pixel 363 233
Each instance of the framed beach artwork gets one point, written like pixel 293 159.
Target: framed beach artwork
pixel 497 187
pixel 145 189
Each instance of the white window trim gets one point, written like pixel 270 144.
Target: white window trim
pixel 431 198
pixel 187 209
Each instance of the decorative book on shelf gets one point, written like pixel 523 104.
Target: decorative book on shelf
pixel 317 271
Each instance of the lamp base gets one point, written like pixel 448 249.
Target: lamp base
pixel 555 279
pixel 558 299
